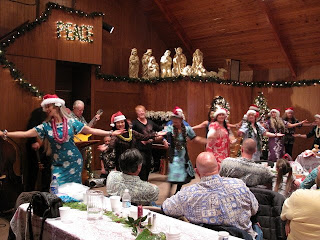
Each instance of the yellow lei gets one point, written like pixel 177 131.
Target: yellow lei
pixel 128 139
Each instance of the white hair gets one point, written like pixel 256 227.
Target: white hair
pixel 78 103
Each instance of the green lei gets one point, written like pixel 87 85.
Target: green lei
pixel 179 144
pixel 128 139
pixel 251 134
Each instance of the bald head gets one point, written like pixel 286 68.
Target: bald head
pixel 249 146
pixel 206 164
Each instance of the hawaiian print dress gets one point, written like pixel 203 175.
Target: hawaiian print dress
pixel 66 157
pixel 219 146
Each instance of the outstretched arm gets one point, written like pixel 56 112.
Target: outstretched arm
pixel 201 125
pixel 19 134
pixel 201 140
pixel 236 125
pixel 100 132
pixel 300 135
pixel 291 125
pixel 269 134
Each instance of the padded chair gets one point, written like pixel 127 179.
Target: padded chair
pixel 24 197
pixel 233 231
pixel 270 207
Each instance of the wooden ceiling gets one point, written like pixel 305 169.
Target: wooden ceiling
pixel 262 34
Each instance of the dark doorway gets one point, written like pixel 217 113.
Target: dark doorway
pixel 73 82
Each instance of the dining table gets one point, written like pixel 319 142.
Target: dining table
pixel 309 162
pixel 79 227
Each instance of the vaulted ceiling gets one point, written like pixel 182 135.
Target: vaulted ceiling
pixel 262 34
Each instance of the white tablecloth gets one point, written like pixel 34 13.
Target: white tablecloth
pixel 81 228
pixel 308 163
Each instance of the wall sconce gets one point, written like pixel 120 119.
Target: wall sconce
pixel 107 27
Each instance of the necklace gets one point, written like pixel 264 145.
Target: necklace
pixel 64 130
pixel 318 132
pixel 128 139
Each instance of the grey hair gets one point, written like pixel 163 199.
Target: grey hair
pixel 77 103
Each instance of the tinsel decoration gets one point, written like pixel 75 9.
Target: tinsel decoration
pixel 18 76
pixel 15 73
pixel 276 84
pixel 220 102
pixel 159 115
pixel 264 110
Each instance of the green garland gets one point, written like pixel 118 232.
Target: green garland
pixel 276 84
pixel 15 73
pixel 19 78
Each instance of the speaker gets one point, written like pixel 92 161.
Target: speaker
pixel 233 69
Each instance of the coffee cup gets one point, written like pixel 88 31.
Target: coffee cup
pixel 223 235
pixel 115 203
pixel 65 214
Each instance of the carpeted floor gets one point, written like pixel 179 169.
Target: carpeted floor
pixel 155 178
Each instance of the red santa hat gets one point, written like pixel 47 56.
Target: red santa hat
pixel 256 114
pixel 52 99
pixel 290 109
pixel 276 110
pixel 250 111
pixel 317 116
pixel 116 117
pixel 220 111
pixel 177 112
pixel 254 107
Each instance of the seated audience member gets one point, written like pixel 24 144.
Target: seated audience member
pixel 214 200
pixel 106 158
pixel 141 192
pixel 311 179
pixel 301 210
pixel 245 168
pixel 284 183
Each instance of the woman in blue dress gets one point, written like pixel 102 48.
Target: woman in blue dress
pixel 59 129
pixel 180 167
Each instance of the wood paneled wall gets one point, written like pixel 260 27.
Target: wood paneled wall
pixel 132 30
pixel 39 72
pixel 35 55
pixel 304 100
pixel 195 100
pixel 15 108
pixel 42 41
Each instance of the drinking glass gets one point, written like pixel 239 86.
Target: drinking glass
pixel 94 204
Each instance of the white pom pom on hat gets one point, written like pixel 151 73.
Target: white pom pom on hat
pixel 52 99
pixel 116 117
pixel 220 111
pixel 276 110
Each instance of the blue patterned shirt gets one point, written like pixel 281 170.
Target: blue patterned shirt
pixel 215 200
pixel 310 180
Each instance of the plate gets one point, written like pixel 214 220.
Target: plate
pixel 307 153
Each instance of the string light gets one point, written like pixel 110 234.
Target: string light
pixel 278 84
pixel 84 34
pixel 74 32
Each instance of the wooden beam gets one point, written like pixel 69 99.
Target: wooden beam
pixel 277 36
pixel 175 25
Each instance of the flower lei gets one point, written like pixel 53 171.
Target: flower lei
pixel 251 134
pixel 128 139
pixel 179 144
pixel 64 130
